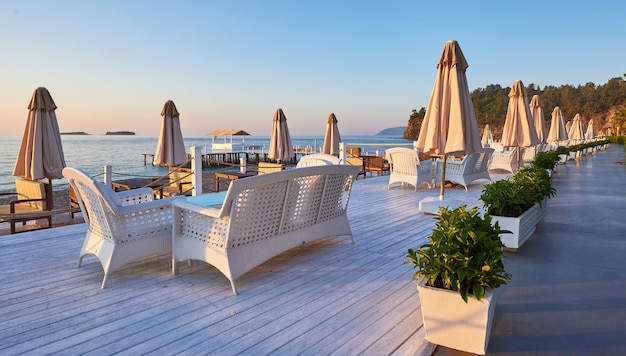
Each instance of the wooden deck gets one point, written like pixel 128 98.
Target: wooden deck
pixel 325 297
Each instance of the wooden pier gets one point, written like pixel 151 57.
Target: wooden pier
pixel 229 158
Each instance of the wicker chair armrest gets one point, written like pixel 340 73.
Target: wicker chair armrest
pixel 426 163
pixel 210 211
pixel 165 203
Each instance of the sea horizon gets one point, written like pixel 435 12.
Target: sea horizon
pixel 90 153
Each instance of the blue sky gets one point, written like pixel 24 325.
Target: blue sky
pixel 111 65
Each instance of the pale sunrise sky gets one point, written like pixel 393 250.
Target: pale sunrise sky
pixel 229 64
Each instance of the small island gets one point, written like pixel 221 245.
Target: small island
pixel 129 133
pixel 74 133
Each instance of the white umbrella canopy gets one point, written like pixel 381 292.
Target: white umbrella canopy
pixel 281 148
pixel 487 136
pixel 576 132
pixel 41 152
pixel 590 134
pixel 519 126
pixel 568 127
pixel 450 126
pixel 170 150
pixel 536 110
pixel 558 132
pixel 331 136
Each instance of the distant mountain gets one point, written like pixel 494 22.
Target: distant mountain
pixel 392 131
pixel 120 133
pixel 74 133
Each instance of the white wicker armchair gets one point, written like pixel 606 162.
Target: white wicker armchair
pixel 406 167
pixel 121 227
pixel 472 167
pixel 317 159
pixel 507 160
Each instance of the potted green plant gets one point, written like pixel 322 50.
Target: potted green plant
pixel 518 204
pixel 457 272
pixel 546 160
pixel 563 152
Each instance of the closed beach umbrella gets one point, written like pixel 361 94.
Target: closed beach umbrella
pixel 450 126
pixel 41 153
pixel 331 137
pixel 519 126
pixel 568 127
pixel 590 134
pixel 170 149
pixel 536 111
pixel 576 132
pixel 487 137
pixel 281 148
pixel 558 132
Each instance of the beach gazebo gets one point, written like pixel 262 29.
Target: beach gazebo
pixel 222 140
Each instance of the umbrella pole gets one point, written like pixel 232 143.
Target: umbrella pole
pixel 443 176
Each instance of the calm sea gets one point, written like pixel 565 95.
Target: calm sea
pixel 124 153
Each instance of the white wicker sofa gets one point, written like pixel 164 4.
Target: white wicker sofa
pixel 261 217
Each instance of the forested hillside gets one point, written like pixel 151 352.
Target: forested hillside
pixel 605 104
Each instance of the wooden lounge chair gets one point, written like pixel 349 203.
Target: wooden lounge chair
pixel 180 183
pixel 269 167
pixel 33 199
pixel 357 161
pixel 375 164
pixel 406 167
pixel 121 226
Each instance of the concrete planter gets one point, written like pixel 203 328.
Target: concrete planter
pixel 521 227
pixel 543 208
pixel 450 322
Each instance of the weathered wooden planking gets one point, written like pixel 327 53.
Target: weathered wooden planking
pixel 328 296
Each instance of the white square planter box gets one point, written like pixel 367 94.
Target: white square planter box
pixel 450 322
pixel 521 227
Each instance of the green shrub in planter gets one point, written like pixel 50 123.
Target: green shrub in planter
pixel 507 198
pixel 464 253
pixel 537 180
pixel 562 150
pixel 546 160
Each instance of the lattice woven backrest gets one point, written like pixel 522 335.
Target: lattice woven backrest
pixel 269 205
pixel 92 206
pixel 256 214
pixel 403 160
pixel 470 163
pixel 336 196
pixel 483 161
pixel 303 202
